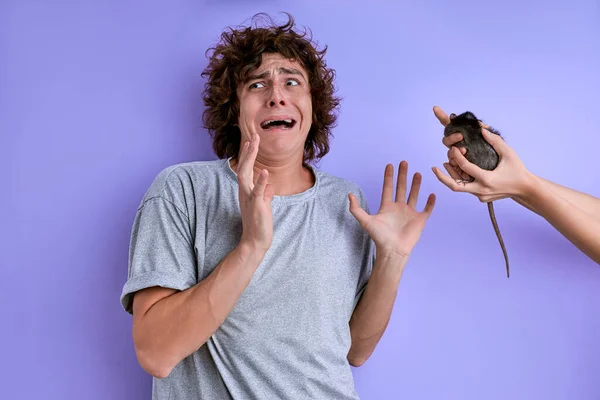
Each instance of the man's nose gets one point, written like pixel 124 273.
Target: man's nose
pixel 276 97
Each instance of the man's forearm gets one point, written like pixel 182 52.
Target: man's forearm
pixel 577 225
pixel 178 325
pixel 372 313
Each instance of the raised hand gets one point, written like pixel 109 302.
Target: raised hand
pixel 510 178
pixel 255 199
pixel 397 226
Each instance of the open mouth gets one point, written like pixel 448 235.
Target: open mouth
pixel 278 123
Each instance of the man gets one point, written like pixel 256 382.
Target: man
pixel 248 275
pixel 574 214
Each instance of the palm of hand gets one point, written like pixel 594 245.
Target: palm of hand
pixel 397 226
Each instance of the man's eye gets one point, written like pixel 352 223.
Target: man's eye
pixel 292 82
pixel 256 85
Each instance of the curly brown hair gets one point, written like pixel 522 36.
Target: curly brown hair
pixel 237 54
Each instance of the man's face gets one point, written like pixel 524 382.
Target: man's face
pixel 275 103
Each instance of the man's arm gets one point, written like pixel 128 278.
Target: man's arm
pixel 395 230
pixel 168 325
pixel 372 313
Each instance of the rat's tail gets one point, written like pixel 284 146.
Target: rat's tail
pixel 499 235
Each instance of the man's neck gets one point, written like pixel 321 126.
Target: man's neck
pixel 286 178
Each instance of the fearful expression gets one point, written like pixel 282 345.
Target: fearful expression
pixel 275 103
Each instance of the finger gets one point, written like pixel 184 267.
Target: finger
pixel 495 140
pixel 445 179
pixel 441 115
pixel 246 168
pixel 452 172
pixel 463 174
pixel 429 206
pixel 452 139
pixel 453 163
pixel 361 215
pixel 466 166
pixel 269 194
pixel 388 184
pixel 451 183
pixel 244 187
pixel 261 184
pixel 243 153
pixel 244 156
pixel 451 160
pixel 253 149
pixel 462 150
pixel 414 190
pixel 401 183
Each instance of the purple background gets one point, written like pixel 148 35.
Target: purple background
pixel 97 97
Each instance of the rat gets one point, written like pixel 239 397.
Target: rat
pixel 480 153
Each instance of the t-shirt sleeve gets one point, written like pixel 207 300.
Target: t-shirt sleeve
pixel 161 251
pixel 367 255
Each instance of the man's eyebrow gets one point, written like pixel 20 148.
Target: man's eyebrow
pixel 282 70
pixel 259 76
pixel 292 71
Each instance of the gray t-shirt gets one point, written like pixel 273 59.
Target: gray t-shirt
pixel 288 335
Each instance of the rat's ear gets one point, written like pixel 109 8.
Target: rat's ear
pixel 452 116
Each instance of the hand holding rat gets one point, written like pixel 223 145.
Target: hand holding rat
pixel 510 178
pixel 397 226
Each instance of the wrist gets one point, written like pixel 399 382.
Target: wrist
pixel 391 256
pixel 389 268
pixel 251 251
pixel 530 188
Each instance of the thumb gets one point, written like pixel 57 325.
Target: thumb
pixel 494 140
pixel 441 115
pixel 269 194
pixel 361 215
